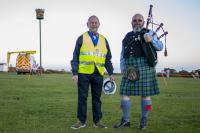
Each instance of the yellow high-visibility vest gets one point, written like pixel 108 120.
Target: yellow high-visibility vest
pixel 91 56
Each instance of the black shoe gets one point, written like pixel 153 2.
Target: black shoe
pixel 122 124
pixel 143 123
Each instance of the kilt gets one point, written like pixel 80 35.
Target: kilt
pixel 146 85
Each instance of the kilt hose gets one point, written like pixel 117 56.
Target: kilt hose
pixel 146 85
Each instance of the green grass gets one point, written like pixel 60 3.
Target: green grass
pixel 47 104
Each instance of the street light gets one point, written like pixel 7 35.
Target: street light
pixel 40 16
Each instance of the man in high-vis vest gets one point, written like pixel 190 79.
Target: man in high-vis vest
pixel 91 55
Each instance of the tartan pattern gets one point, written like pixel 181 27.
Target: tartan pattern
pixel 146 85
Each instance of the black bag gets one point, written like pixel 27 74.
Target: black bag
pixel 149 50
pixel 132 73
pixel 150 54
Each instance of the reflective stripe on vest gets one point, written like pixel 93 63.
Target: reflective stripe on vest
pixel 93 53
pixel 91 63
pixel 91 56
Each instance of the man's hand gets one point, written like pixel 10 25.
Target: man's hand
pixel 75 78
pixel 112 78
pixel 148 38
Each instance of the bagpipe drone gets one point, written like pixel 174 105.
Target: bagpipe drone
pixel 149 50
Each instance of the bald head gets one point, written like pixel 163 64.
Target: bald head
pixel 93 17
pixel 137 22
pixel 93 23
pixel 138 16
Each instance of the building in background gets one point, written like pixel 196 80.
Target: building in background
pixel 3 67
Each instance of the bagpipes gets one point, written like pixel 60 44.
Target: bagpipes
pixel 148 48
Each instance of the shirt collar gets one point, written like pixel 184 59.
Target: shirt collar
pixel 95 34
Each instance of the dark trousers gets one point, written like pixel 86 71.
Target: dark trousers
pixel 84 81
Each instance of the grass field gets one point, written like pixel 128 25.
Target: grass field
pixel 47 104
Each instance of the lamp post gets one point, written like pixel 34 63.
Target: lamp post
pixel 40 16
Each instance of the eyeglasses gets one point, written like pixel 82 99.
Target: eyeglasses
pixel 137 20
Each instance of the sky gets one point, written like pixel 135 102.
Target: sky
pixel 65 20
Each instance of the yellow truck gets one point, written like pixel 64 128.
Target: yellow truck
pixel 24 62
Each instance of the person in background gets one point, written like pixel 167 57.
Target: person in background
pixel 168 73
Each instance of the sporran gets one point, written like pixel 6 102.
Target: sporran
pixel 132 73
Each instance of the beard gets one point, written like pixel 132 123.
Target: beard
pixel 137 29
pixel 93 30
